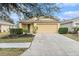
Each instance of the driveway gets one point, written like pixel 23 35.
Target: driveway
pixel 52 45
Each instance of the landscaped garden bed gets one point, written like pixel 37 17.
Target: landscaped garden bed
pixel 17 38
pixel 70 34
pixel 23 38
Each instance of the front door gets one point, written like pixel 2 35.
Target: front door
pixel 29 28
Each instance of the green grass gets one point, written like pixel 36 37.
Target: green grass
pixel 4 33
pixel 17 40
pixel 14 40
pixel 72 36
pixel 11 51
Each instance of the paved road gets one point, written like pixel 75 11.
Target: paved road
pixel 14 45
pixel 52 45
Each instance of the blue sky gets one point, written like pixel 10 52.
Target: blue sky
pixel 67 11
pixel 14 16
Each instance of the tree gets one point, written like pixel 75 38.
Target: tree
pixel 6 18
pixel 45 9
pixel 29 9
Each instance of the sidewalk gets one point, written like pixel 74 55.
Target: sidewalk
pixel 14 45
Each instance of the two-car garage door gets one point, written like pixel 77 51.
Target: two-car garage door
pixel 47 28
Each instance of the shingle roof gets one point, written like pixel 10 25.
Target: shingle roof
pixel 32 20
pixel 69 20
pixel 5 23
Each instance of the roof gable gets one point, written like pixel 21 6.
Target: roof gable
pixel 70 20
pixel 5 23
pixel 41 19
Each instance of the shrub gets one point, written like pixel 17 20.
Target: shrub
pixel 14 31
pixel 76 29
pixel 63 30
pixel 71 32
pixel 25 31
pixel 35 29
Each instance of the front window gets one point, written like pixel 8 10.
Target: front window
pixel 77 24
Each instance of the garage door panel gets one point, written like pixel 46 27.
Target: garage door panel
pixel 47 28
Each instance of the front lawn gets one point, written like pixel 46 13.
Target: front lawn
pixel 72 36
pixel 16 40
pixel 11 51
pixel 4 34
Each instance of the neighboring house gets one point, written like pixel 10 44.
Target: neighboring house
pixel 5 26
pixel 71 23
pixel 44 24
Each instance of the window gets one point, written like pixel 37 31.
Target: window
pixel 76 23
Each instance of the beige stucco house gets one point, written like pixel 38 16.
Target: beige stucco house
pixel 5 26
pixel 42 25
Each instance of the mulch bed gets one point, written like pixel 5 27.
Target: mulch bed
pixel 16 36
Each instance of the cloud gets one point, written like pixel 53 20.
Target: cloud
pixel 70 4
pixel 69 10
pixel 71 13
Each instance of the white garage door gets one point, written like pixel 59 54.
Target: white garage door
pixel 47 28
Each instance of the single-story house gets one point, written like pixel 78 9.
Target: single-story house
pixel 71 23
pixel 44 24
pixel 5 26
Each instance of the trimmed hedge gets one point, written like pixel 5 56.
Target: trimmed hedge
pixel 63 30
pixel 15 31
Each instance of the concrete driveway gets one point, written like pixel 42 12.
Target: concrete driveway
pixel 52 45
